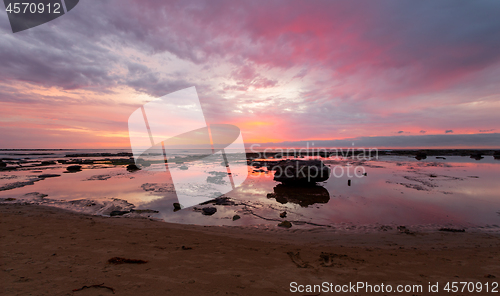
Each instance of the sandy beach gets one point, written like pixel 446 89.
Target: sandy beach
pixel 48 251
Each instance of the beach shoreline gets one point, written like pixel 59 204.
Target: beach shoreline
pixel 50 251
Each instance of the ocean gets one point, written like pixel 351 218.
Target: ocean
pixel 362 195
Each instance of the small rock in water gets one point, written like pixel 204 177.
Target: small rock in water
pixel 74 168
pixel 208 211
pixel 283 215
pixel 421 155
pixel 177 206
pixel 2 164
pixel 236 217
pixel 285 224
pixel 452 230
pixel 48 162
pixel 48 176
pixel 118 213
pixel 132 168
pixel 183 167
pixel 476 156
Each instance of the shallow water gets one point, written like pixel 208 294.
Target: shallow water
pixel 456 192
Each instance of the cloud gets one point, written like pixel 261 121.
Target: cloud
pixel 448 131
pixel 322 70
pixel 425 141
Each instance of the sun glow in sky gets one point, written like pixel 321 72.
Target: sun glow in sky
pixel 279 70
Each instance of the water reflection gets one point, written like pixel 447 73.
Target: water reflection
pixel 302 195
pixel 451 191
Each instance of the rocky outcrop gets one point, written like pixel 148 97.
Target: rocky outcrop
pixel 74 168
pixel 132 168
pixel 208 211
pixel 301 171
pixel 421 155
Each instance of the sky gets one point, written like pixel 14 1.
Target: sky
pixel 386 73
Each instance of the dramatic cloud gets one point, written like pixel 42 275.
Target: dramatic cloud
pixel 280 70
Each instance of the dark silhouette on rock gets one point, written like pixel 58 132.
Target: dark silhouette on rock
pixel 421 155
pixel 476 156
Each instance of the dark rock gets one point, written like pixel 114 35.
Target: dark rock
pixel 2 164
pixel 301 171
pixel 145 211
pixel 118 213
pixel 208 211
pixel 132 168
pixel 48 176
pixel 452 230
pixel 48 162
pixel 285 224
pixel 476 156
pixel 440 157
pixel 283 215
pixel 236 217
pixel 301 195
pixel 421 155
pixel 177 206
pixel 74 168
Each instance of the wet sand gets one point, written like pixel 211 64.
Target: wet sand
pixel 49 251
